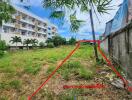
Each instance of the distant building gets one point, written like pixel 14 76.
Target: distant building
pixel 27 26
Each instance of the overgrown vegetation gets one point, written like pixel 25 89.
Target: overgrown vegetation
pixel 14 84
pixel 32 69
pixel 73 68
pixel 58 41
pixel 22 72
pixel 3 47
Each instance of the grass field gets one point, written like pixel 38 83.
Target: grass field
pixel 22 72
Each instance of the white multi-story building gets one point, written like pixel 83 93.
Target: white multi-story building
pixel 26 25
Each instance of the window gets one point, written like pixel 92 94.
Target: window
pixel 6 30
pixel 39 35
pixel 45 30
pixel 49 28
pixel 23 33
pixel 44 35
pixel 45 24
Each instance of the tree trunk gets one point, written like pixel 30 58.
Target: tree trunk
pixel 16 45
pixel 27 47
pixel 93 33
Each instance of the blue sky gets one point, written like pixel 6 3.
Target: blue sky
pixel 85 30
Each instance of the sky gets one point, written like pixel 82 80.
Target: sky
pixel 85 30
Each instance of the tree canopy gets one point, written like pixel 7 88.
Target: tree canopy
pixel 59 8
pixel 6 11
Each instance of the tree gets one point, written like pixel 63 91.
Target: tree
pixel 16 40
pixel 58 40
pixel 34 42
pixel 3 47
pixel 49 40
pixel 72 41
pixel 6 11
pixel 42 44
pixel 59 8
pixel 27 42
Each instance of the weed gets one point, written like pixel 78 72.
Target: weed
pixel 70 94
pixel 8 70
pixel 3 85
pixel 50 69
pixel 3 98
pixel 16 84
pixel 23 98
pixel 86 74
pixel 33 70
pixel 76 68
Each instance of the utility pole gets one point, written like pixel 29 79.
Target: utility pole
pixel 93 33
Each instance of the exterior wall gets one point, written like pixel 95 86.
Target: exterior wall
pixel 120 48
pixel 130 10
pixel 104 46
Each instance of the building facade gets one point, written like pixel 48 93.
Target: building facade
pixel 27 26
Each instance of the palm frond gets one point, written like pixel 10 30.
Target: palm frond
pixel 57 14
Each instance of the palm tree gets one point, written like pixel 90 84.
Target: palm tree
pixel 6 11
pixel 60 7
pixel 34 42
pixel 27 42
pixel 16 40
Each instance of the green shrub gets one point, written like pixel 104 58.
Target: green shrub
pixel 4 98
pixel 72 41
pixel 2 45
pixel 86 74
pixel 49 40
pixel 32 70
pixel 50 45
pixel 75 68
pixel 16 84
pixel 3 85
pixel 1 53
pixel 58 40
pixel 69 68
pixel 42 44
pixel 50 69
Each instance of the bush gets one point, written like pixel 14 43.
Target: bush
pixel 3 47
pixel 69 68
pixel 50 69
pixel 86 74
pixel 42 44
pixel 57 40
pixel 33 70
pixel 49 40
pixel 72 41
pixel 50 45
pixel 1 53
pixel 16 84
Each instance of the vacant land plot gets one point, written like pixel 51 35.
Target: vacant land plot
pixel 22 72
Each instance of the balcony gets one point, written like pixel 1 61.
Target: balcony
pixel 9 24
pixel 17 26
pixel 18 17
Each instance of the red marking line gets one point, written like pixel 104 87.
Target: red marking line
pixel 97 86
pixel 71 53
